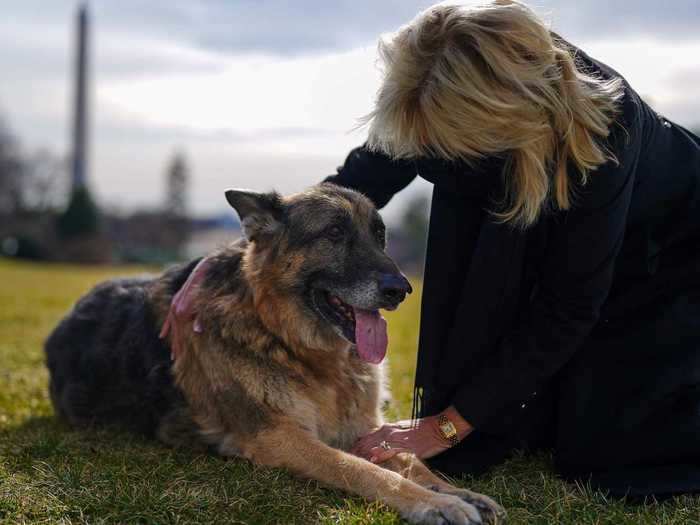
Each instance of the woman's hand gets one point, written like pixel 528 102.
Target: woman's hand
pixel 421 437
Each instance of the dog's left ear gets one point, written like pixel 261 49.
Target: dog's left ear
pixel 261 214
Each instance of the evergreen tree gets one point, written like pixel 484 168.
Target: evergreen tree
pixel 175 213
pixel 81 218
pixel 177 177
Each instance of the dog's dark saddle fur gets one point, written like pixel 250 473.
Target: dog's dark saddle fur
pixel 107 363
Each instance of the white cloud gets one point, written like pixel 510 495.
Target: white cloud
pixel 252 119
pixel 255 121
pixel 251 93
pixel 655 69
pixel 261 121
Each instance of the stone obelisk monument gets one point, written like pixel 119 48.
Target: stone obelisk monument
pixel 79 225
pixel 80 109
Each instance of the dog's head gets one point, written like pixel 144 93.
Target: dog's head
pixel 317 264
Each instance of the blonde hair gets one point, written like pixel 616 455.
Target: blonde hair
pixel 466 83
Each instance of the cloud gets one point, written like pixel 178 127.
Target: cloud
pixel 274 26
pixel 670 84
pixel 248 93
pixel 603 19
pixel 288 28
pixel 265 93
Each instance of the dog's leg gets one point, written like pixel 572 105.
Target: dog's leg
pixel 177 429
pixel 410 467
pixel 290 446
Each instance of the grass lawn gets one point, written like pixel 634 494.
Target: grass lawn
pixel 52 474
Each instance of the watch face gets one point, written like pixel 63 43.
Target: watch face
pixel 448 429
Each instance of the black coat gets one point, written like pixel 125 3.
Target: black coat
pixel 583 330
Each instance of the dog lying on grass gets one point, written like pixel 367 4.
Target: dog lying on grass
pixel 269 350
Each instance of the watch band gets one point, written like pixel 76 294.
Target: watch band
pixel 448 430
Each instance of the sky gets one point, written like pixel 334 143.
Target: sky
pixel 266 94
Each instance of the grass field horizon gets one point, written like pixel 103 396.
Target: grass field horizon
pixel 50 473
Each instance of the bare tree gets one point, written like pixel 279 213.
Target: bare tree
pixel 10 172
pixel 45 182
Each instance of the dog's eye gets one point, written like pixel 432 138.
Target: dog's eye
pixel 335 233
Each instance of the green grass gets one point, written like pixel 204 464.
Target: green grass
pixel 52 474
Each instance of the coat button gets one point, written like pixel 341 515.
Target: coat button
pixel 667 124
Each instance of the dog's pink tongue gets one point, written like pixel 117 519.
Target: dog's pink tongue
pixel 370 335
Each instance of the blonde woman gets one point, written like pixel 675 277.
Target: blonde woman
pixel 561 303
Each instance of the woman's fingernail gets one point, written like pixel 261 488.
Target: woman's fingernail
pixel 373 459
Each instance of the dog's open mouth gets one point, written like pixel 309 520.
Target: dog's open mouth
pixel 365 328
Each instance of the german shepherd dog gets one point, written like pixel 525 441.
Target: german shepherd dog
pixel 270 352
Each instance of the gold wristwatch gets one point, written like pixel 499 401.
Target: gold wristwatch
pixel 447 429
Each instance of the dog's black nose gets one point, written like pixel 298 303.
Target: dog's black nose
pixel 394 287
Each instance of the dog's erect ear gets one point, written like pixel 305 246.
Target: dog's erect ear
pixel 261 214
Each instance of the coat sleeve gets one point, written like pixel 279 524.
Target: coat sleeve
pixel 374 174
pixel 573 284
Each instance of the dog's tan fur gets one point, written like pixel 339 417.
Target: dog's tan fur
pixel 265 381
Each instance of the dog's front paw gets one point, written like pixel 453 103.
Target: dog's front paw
pixel 491 512
pixel 445 509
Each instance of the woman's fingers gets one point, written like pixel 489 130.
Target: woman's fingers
pixel 362 449
pixel 365 450
pixel 369 447
pixel 376 449
pixel 419 439
pixel 372 439
pixel 366 442
pixel 380 455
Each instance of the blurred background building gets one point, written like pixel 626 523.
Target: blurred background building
pixel 121 123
